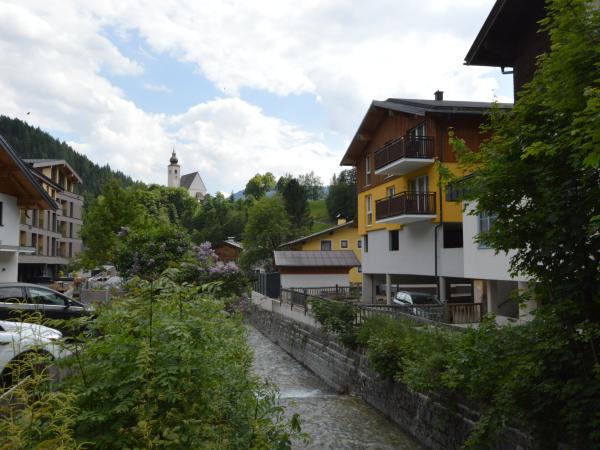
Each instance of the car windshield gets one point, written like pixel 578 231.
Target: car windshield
pixel 423 299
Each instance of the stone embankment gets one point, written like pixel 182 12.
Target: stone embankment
pixel 435 425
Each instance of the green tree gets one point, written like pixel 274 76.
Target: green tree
pixel 259 185
pixel 283 181
pixel 539 173
pixel 103 219
pixel 267 228
pixel 341 197
pixel 312 184
pixel 218 218
pixel 296 205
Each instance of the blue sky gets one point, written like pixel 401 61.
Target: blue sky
pixel 233 97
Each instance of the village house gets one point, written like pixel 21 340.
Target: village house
pixel 19 190
pixel 343 236
pixel 229 250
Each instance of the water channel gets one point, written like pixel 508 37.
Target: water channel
pixel 333 421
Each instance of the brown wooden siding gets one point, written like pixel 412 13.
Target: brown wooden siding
pixel 397 124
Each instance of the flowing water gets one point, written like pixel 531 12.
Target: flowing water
pixel 333 421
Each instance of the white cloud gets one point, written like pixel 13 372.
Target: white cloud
pixel 55 55
pixel 157 88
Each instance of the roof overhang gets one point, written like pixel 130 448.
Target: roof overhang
pixel 41 163
pixel 497 41
pixel 17 179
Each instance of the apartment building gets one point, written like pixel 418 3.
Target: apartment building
pixel 411 226
pixel 19 189
pixel 54 235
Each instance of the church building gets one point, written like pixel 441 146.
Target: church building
pixel 192 182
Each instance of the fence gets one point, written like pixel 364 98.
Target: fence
pixel 334 293
pixel 268 284
pixel 448 313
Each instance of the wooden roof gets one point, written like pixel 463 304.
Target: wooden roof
pixel 17 180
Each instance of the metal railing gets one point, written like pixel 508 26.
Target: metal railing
pixel 335 292
pixel 419 147
pixel 447 313
pixel 405 203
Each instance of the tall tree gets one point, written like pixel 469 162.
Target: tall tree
pixel 341 197
pixel 296 205
pixel 312 184
pixel 259 185
pixel 267 228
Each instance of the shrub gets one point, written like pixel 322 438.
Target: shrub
pixel 336 317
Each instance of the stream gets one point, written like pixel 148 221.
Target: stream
pixel 333 421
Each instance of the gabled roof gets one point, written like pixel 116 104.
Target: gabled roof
pixel 20 181
pixel 39 163
pixel 317 258
pixel 233 243
pixel 188 179
pixel 496 43
pixel 319 233
pixel 378 109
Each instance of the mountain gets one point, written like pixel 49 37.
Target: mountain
pixel 30 142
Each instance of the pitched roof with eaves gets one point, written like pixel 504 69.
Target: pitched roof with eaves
pixel 315 258
pixel 378 109
pixel 318 233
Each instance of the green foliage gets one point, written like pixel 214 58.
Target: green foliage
pixel 296 205
pixel 267 228
pixel 104 218
pixel 335 317
pixel 341 197
pixel 539 175
pixel 218 218
pixel 147 251
pixel 312 184
pixel 259 185
pixel 164 368
pixel 319 215
pixel 33 143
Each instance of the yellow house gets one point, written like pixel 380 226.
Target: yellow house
pixel 343 236
pixel 409 222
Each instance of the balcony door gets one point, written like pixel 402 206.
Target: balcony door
pixel 417 200
pixel 416 143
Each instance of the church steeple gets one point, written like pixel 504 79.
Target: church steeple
pixel 174 171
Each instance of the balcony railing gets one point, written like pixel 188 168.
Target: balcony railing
pixel 420 147
pixel 406 204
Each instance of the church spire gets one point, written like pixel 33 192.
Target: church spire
pixel 174 159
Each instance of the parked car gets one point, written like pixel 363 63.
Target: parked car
pixel 416 299
pixel 17 300
pixel 18 341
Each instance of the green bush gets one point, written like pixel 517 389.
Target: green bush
pixel 166 368
pixel 336 317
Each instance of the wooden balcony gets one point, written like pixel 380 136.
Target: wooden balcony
pixel 404 155
pixel 406 207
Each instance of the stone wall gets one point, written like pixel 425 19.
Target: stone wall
pixel 434 425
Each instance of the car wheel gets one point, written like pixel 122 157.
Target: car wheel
pixel 24 365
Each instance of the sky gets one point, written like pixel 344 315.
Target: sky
pixel 236 88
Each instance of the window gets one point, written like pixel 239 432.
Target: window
pixel 369 209
pixel 453 192
pixel 45 297
pixel 359 243
pixel 391 191
pixel 12 295
pixel 453 235
pixel 419 184
pixel 70 249
pixel 486 221
pixel 326 246
pixel 359 269
pixel 344 243
pixel 368 170
pixel 394 237
pixel 418 131
pixel 71 209
pixel 1 214
pixel 366 240
pixel 70 230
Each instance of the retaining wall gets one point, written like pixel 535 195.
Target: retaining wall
pixel 433 424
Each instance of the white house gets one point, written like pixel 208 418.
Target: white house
pixel 192 182
pixel 19 189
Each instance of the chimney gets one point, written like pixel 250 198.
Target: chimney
pixel 341 220
pixel 439 95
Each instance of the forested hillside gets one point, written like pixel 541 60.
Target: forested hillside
pixel 30 142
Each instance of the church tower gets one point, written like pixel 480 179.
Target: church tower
pixel 174 171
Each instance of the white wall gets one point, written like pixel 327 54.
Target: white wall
pixel 197 187
pixel 9 266
pixel 483 263
pixel 11 216
pixel 314 280
pixel 415 255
